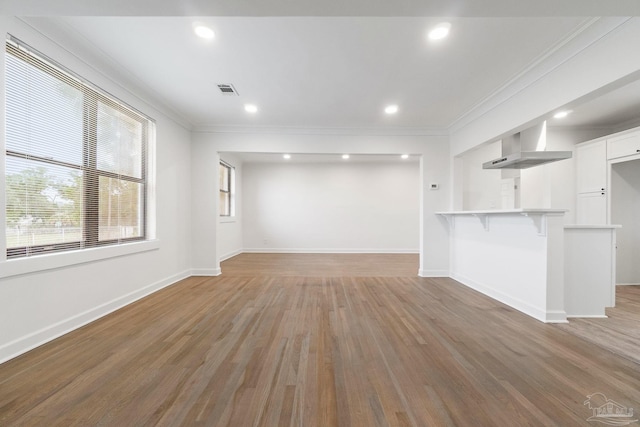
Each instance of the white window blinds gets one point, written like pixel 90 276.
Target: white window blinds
pixel 75 160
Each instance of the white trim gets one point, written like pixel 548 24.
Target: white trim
pixel 547 316
pixel 589 316
pixel 51 261
pixel 433 273
pixel 35 339
pixel 230 255
pixel 290 130
pixel 206 271
pixel 328 251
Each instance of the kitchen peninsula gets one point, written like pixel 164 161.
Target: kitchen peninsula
pixel 529 260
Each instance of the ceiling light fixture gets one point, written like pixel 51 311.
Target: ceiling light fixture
pixel 440 31
pixel 250 108
pixel 561 114
pixel 404 156
pixel 286 156
pixel 391 109
pixel 345 156
pixel 203 31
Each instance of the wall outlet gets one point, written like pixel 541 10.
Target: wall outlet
pixel 434 186
pixel 265 241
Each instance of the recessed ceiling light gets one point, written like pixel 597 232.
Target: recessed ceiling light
pixel 203 31
pixel 286 156
pixel 250 108
pixel 561 114
pixel 391 109
pixel 404 156
pixel 345 156
pixel 440 31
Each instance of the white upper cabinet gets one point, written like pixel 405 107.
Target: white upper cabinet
pixel 591 166
pixel 623 145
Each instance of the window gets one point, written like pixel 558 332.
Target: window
pixel 76 160
pixel 227 178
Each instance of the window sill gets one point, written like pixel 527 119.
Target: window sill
pixel 17 267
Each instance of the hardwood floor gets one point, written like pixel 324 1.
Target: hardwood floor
pixel 291 350
pixel 620 332
pixel 325 265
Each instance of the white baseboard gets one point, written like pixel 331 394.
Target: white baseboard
pixel 627 284
pixel 328 251
pixel 230 255
pixel 44 335
pixel 206 271
pixel 433 273
pixel 547 316
pixel 587 316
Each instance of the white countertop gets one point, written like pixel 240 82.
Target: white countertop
pixel 599 226
pixel 506 212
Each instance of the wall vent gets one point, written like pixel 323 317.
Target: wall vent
pixel 228 90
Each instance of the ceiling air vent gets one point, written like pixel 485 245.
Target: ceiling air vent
pixel 228 90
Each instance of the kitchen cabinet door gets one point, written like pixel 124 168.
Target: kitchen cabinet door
pixel 591 208
pixel 624 145
pixel 591 166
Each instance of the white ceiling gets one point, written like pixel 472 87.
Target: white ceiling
pixel 328 68
pixel 460 8
pixel 318 72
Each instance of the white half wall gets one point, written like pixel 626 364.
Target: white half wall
pixel 38 306
pixel 509 259
pixel 337 206
pixel 434 168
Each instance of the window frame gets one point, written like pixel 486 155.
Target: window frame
pixel 91 174
pixel 228 192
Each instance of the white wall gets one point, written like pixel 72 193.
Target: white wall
pixel 332 207
pixel 625 211
pixel 229 236
pixel 39 306
pixel 481 187
pixel 207 145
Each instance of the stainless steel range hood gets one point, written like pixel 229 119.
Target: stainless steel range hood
pixel 526 149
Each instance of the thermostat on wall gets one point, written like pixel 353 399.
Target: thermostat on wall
pixel 433 186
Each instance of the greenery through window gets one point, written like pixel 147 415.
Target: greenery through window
pixel 75 160
pixel 226 189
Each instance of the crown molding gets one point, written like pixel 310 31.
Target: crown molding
pixel 343 131
pixel 590 32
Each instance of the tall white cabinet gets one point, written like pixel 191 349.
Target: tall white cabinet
pixel 608 192
pixel 591 168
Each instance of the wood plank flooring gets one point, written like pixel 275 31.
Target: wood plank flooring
pixel 324 265
pixel 620 332
pixel 269 350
